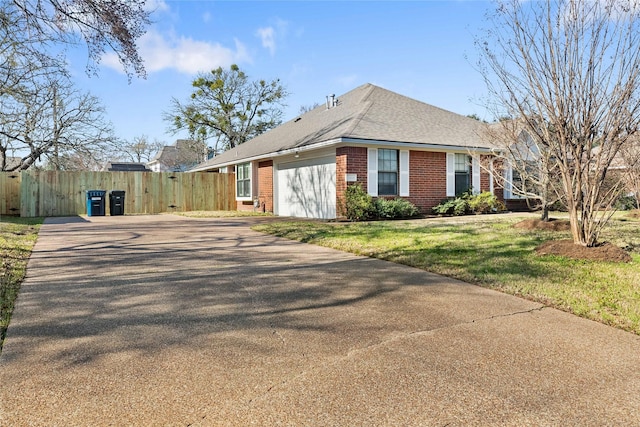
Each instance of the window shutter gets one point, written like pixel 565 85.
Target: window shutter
pixel 475 174
pixel 491 183
pixel 451 175
pixel 508 177
pixel 404 173
pixel 372 169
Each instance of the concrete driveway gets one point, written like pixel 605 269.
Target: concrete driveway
pixel 164 320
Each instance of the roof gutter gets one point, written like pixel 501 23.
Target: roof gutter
pixel 418 145
pixel 280 153
pixel 351 141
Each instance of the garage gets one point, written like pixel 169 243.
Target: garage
pixel 307 188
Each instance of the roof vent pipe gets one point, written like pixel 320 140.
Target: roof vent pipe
pixel 332 101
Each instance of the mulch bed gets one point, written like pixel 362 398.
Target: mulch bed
pixel 634 213
pixel 538 224
pixel 603 252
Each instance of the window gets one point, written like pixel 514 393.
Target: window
pixel 462 173
pixel 524 179
pixel 387 172
pixel 243 180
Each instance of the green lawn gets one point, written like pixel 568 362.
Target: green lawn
pixel 17 237
pixel 488 251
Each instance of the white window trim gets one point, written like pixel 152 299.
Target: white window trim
pixel 451 174
pixel 251 181
pixel 508 185
pixel 475 174
pixel 372 172
pixel 403 172
pixel 491 171
pixel 508 177
pixel 403 190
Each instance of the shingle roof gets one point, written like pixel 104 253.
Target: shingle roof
pixel 125 167
pixel 368 112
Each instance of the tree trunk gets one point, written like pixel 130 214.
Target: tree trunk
pixel 576 227
pixel 545 212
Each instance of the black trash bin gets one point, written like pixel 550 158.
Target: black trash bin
pixel 95 202
pixel 116 202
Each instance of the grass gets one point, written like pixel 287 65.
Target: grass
pixel 488 251
pixel 17 237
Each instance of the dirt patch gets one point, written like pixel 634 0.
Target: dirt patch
pixel 634 214
pixel 538 224
pixel 604 252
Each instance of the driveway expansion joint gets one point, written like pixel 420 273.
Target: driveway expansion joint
pixel 515 313
pixel 394 337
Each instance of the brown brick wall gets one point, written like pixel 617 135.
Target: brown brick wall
pixel 484 173
pixel 498 189
pixel 352 160
pixel 244 205
pixel 427 179
pixel 265 185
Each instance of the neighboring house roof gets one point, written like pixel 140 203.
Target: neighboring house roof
pixel 367 113
pixel 125 167
pixel 184 153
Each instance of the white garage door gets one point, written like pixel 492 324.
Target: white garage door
pixel 307 188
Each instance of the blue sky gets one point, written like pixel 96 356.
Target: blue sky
pixel 421 49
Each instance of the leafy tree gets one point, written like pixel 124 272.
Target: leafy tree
pixel 228 107
pixel 474 116
pixel 570 71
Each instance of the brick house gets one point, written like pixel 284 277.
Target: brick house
pixel 394 146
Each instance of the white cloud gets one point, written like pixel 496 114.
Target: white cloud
pixel 182 54
pixel 268 37
pixel 156 6
pixel 206 17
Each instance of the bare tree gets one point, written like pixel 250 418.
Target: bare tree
pixel 306 108
pixel 570 71
pixel 103 25
pixel 628 165
pixel 521 166
pixel 228 107
pixel 141 149
pixel 51 121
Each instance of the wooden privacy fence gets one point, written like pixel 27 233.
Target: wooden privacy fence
pixel 10 193
pixel 51 193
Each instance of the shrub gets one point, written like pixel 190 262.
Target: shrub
pixel 468 203
pixel 625 203
pixel 485 202
pixel 359 206
pixel 394 209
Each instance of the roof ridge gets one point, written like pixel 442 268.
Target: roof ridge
pixel 365 108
